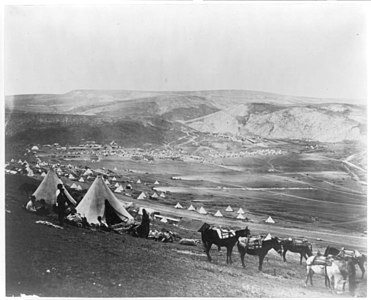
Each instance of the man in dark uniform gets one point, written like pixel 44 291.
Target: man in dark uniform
pixel 62 201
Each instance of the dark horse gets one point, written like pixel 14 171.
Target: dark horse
pixel 261 252
pixel 210 236
pixel 141 230
pixel 358 258
pixel 305 249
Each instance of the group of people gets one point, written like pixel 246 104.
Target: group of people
pixel 63 206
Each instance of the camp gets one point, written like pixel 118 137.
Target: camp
pixel 47 189
pixel 270 220
pixel 100 201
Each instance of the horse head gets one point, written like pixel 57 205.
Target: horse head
pixel 243 232
pixel 277 245
pixel 204 227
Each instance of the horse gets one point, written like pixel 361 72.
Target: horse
pixel 360 259
pixel 141 230
pixel 210 236
pixel 337 272
pixel 304 248
pixel 261 251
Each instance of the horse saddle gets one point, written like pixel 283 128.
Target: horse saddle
pixel 297 242
pixel 224 233
pixel 252 242
pixel 346 253
pixel 321 260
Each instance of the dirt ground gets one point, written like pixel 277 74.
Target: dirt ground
pixel 74 262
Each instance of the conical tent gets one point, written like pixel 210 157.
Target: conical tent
pixel 43 174
pixel 73 186
pixel 116 184
pixel 142 196
pixel 178 205
pixel 229 208
pixel 241 217
pixel 138 181
pixel 118 190
pixel 202 211
pixel 269 220
pixel 191 207
pixel 218 214
pixel 88 172
pixel 154 195
pixel 240 211
pixel 93 204
pixel 268 237
pixel 163 220
pixel 162 195
pixel 47 189
pixel 156 182
pixel 71 177
pixel 81 179
pixel 79 188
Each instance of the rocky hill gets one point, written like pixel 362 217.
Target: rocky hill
pixel 237 112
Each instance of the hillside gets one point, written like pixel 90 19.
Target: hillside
pixel 238 112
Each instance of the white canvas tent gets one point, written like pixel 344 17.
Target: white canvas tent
pixel 88 172
pixel 191 207
pixel 47 189
pixel 81 179
pixel 73 186
pixel 71 177
pixel 93 204
pixel 118 189
pixel 241 217
pixel 156 182
pixel 117 184
pixel 163 220
pixel 268 237
pixel 162 195
pixel 141 196
pixel 154 196
pixel 218 214
pixel 79 188
pixel 178 205
pixel 138 181
pixel 202 211
pixel 270 220
pixel 240 211
pixel 43 174
pixel 229 208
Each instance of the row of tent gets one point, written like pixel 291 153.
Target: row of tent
pixel 219 214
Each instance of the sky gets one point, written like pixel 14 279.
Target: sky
pixel 314 49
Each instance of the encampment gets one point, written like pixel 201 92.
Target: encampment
pixel 100 201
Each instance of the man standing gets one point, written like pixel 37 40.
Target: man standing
pixel 62 201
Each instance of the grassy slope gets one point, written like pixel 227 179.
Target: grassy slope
pixel 85 263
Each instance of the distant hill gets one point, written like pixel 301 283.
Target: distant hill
pixel 240 112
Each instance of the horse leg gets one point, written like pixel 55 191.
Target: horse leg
pixel 361 266
pixel 261 259
pixel 309 276
pixel 229 255
pixel 242 254
pixel 207 249
pixel 301 258
pixel 284 255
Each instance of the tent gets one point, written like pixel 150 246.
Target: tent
pixel 270 220
pixel 156 182
pixel 268 237
pixel 117 184
pixel 241 217
pixel 81 179
pixel 73 186
pixel 35 148
pixel 240 211
pixel 114 179
pixel 47 189
pixel 107 182
pixel 79 188
pixel 43 174
pixel 191 207
pixel 178 205
pixel 162 195
pixel 94 205
pixel 142 196
pixel 88 172
pixel 229 208
pixel 154 196
pixel 163 220
pixel 202 211
pixel 138 181
pixel 218 214
pixel 71 177
pixel 118 190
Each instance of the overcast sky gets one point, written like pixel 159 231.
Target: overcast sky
pixel 307 49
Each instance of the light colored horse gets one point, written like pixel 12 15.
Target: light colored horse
pixel 337 272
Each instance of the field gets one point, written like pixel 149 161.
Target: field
pixel 306 195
